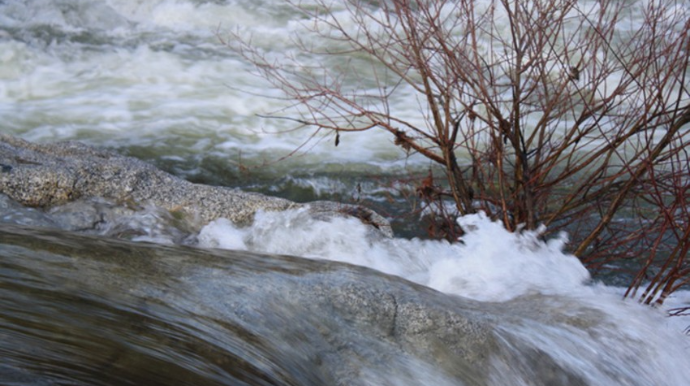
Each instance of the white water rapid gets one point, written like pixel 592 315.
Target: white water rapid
pixel 490 265
pixel 151 79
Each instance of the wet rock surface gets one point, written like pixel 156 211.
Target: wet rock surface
pixel 49 175
pixel 287 320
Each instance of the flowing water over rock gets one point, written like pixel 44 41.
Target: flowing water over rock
pixel 150 79
pixel 84 310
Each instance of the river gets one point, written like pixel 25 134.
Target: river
pixel 150 79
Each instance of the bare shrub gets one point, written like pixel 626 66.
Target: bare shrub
pixel 567 113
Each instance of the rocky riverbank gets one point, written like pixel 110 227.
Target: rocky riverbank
pixel 49 175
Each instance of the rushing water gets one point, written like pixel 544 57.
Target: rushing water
pixel 150 79
pixel 88 310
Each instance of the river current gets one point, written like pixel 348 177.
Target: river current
pixel 150 79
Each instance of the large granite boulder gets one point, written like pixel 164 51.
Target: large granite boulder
pixel 46 175
pixel 265 319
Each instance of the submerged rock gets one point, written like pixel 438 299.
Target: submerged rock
pixel 179 315
pixel 47 175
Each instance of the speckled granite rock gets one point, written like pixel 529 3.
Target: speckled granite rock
pixel 45 175
pixel 284 320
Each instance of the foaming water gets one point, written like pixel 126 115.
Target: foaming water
pixel 494 265
pixel 151 78
pixel 490 264
pixel 88 311
pixel 154 74
pixel 546 303
pixel 128 73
